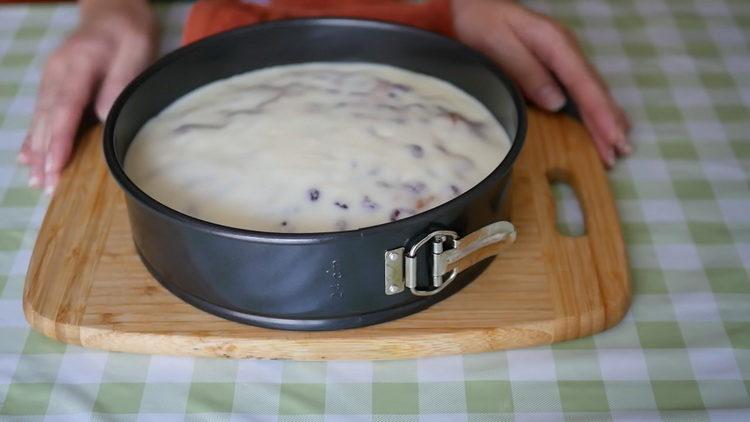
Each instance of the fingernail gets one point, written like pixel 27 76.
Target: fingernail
pixel 610 159
pixel 551 98
pixel 102 110
pixel 34 181
pixel 48 165
pixel 621 141
pixel 625 148
pixel 22 158
pixel 49 190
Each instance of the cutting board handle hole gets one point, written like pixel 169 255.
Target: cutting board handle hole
pixel 569 217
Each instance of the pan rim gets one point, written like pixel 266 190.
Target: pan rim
pixel 130 188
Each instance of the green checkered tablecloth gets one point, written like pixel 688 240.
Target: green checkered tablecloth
pixel 682 70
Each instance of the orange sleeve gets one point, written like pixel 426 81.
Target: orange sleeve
pixel 208 17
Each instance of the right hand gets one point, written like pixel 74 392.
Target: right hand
pixel 535 50
pixel 115 40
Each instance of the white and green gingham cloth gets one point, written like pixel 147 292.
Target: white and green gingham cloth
pixel 682 70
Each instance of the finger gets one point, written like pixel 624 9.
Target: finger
pixel 64 124
pixel 557 49
pixel 604 148
pixel 625 148
pixel 132 56
pixel 516 59
pixel 24 155
pixel 69 79
pixel 65 115
pixel 39 132
pixel 35 146
pixel 36 171
pixel 39 136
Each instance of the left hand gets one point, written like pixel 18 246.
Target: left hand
pixel 533 48
pixel 114 41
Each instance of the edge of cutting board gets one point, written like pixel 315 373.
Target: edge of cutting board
pixel 86 286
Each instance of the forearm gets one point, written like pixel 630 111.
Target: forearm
pixel 92 8
pixel 126 15
pixel 461 3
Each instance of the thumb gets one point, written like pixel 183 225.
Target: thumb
pixel 130 59
pixel 519 62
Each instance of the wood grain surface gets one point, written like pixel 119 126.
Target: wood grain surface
pixel 86 285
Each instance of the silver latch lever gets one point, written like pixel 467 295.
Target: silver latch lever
pixel 450 256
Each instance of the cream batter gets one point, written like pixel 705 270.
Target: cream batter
pixel 316 147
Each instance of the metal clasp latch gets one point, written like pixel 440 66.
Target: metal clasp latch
pixel 450 256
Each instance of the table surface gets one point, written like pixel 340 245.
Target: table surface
pixel 681 69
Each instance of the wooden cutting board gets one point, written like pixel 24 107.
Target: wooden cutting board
pixel 87 286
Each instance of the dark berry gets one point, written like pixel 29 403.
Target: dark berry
pixel 415 187
pixel 401 87
pixel 369 203
pixel 416 151
pixel 314 194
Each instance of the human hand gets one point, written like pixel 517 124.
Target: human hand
pixel 114 41
pixel 534 50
